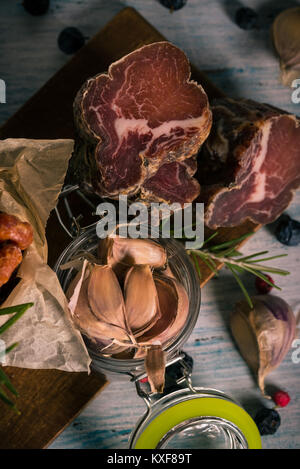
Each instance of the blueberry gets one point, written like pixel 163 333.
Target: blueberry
pixel 288 231
pixel 36 7
pixel 173 4
pixel 267 421
pixel 70 40
pixel 246 18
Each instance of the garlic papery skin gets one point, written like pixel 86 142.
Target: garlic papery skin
pixel 286 40
pixel 264 334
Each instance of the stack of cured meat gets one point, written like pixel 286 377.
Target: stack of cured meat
pixel 148 130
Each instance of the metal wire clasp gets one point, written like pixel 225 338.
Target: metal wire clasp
pixel 73 229
pixel 185 381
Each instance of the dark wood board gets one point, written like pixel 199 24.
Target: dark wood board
pixel 49 399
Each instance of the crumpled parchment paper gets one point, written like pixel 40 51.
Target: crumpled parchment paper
pixel 31 176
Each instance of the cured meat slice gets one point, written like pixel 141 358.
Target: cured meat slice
pixel 173 182
pixel 250 164
pixel 143 113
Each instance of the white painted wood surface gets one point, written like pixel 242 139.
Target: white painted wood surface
pixel 242 63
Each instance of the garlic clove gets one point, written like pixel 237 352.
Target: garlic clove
pixel 131 251
pixel 155 363
pixel 141 301
pixel 85 320
pixel 174 309
pixel 264 334
pixel 286 40
pixel 105 296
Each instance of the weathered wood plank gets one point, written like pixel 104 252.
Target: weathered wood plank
pixel 239 62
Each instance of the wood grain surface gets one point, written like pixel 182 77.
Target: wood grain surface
pixel 241 64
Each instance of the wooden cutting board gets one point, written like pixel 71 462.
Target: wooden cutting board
pixel 50 399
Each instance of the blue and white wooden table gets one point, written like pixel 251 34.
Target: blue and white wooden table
pixel 242 63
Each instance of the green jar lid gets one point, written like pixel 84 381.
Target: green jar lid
pixel 199 407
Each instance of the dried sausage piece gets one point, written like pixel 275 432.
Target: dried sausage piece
pixel 12 229
pixel 144 113
pixel 249 167
pixel 10 258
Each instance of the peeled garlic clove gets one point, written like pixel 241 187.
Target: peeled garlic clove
pixel 105 296
pixel 286 39
pixel 155 363
pixel 131 251
pixel 263 334
pixel 141 302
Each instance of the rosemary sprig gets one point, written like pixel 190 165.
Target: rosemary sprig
pixel 19 310
pixel 227 254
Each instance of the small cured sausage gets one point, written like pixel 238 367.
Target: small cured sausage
pixel 10 258
pixel 12 229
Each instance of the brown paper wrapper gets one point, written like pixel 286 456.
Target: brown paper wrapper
pixel 32 173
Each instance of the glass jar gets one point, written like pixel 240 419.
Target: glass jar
pixel 187 417
pixel 182 269
pixel 193 418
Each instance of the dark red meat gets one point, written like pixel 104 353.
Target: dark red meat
pixel 250 165
pixel 143 113
pixel 172 183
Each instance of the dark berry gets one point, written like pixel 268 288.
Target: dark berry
pixel 246 18
pixel 262 286
pixel 36 7
pixel 70 40
pixel 288 231
pixel 173 4
pixel 267 421
pixel 281 398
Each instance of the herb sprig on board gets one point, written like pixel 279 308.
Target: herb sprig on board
pixel 5 383
pixel 226 253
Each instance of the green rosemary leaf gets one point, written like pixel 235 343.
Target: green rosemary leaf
pixel 253 255
pixel 14 309
pixel 210 238
pixel 197 265
pixel 5 381
pixel 264 268
pixel 235 253
pixel 6 400
pixel 11 347
pixel 208 261
pixel 240 283
pixel 20 311
pixel 262 276
pixel 267 258
pixel 232 242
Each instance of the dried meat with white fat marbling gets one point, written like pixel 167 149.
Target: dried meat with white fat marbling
pixel 145 112
pixel 173 182
pixel 249 167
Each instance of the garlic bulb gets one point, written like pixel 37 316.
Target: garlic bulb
pixel 286 40
pixel 264 334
